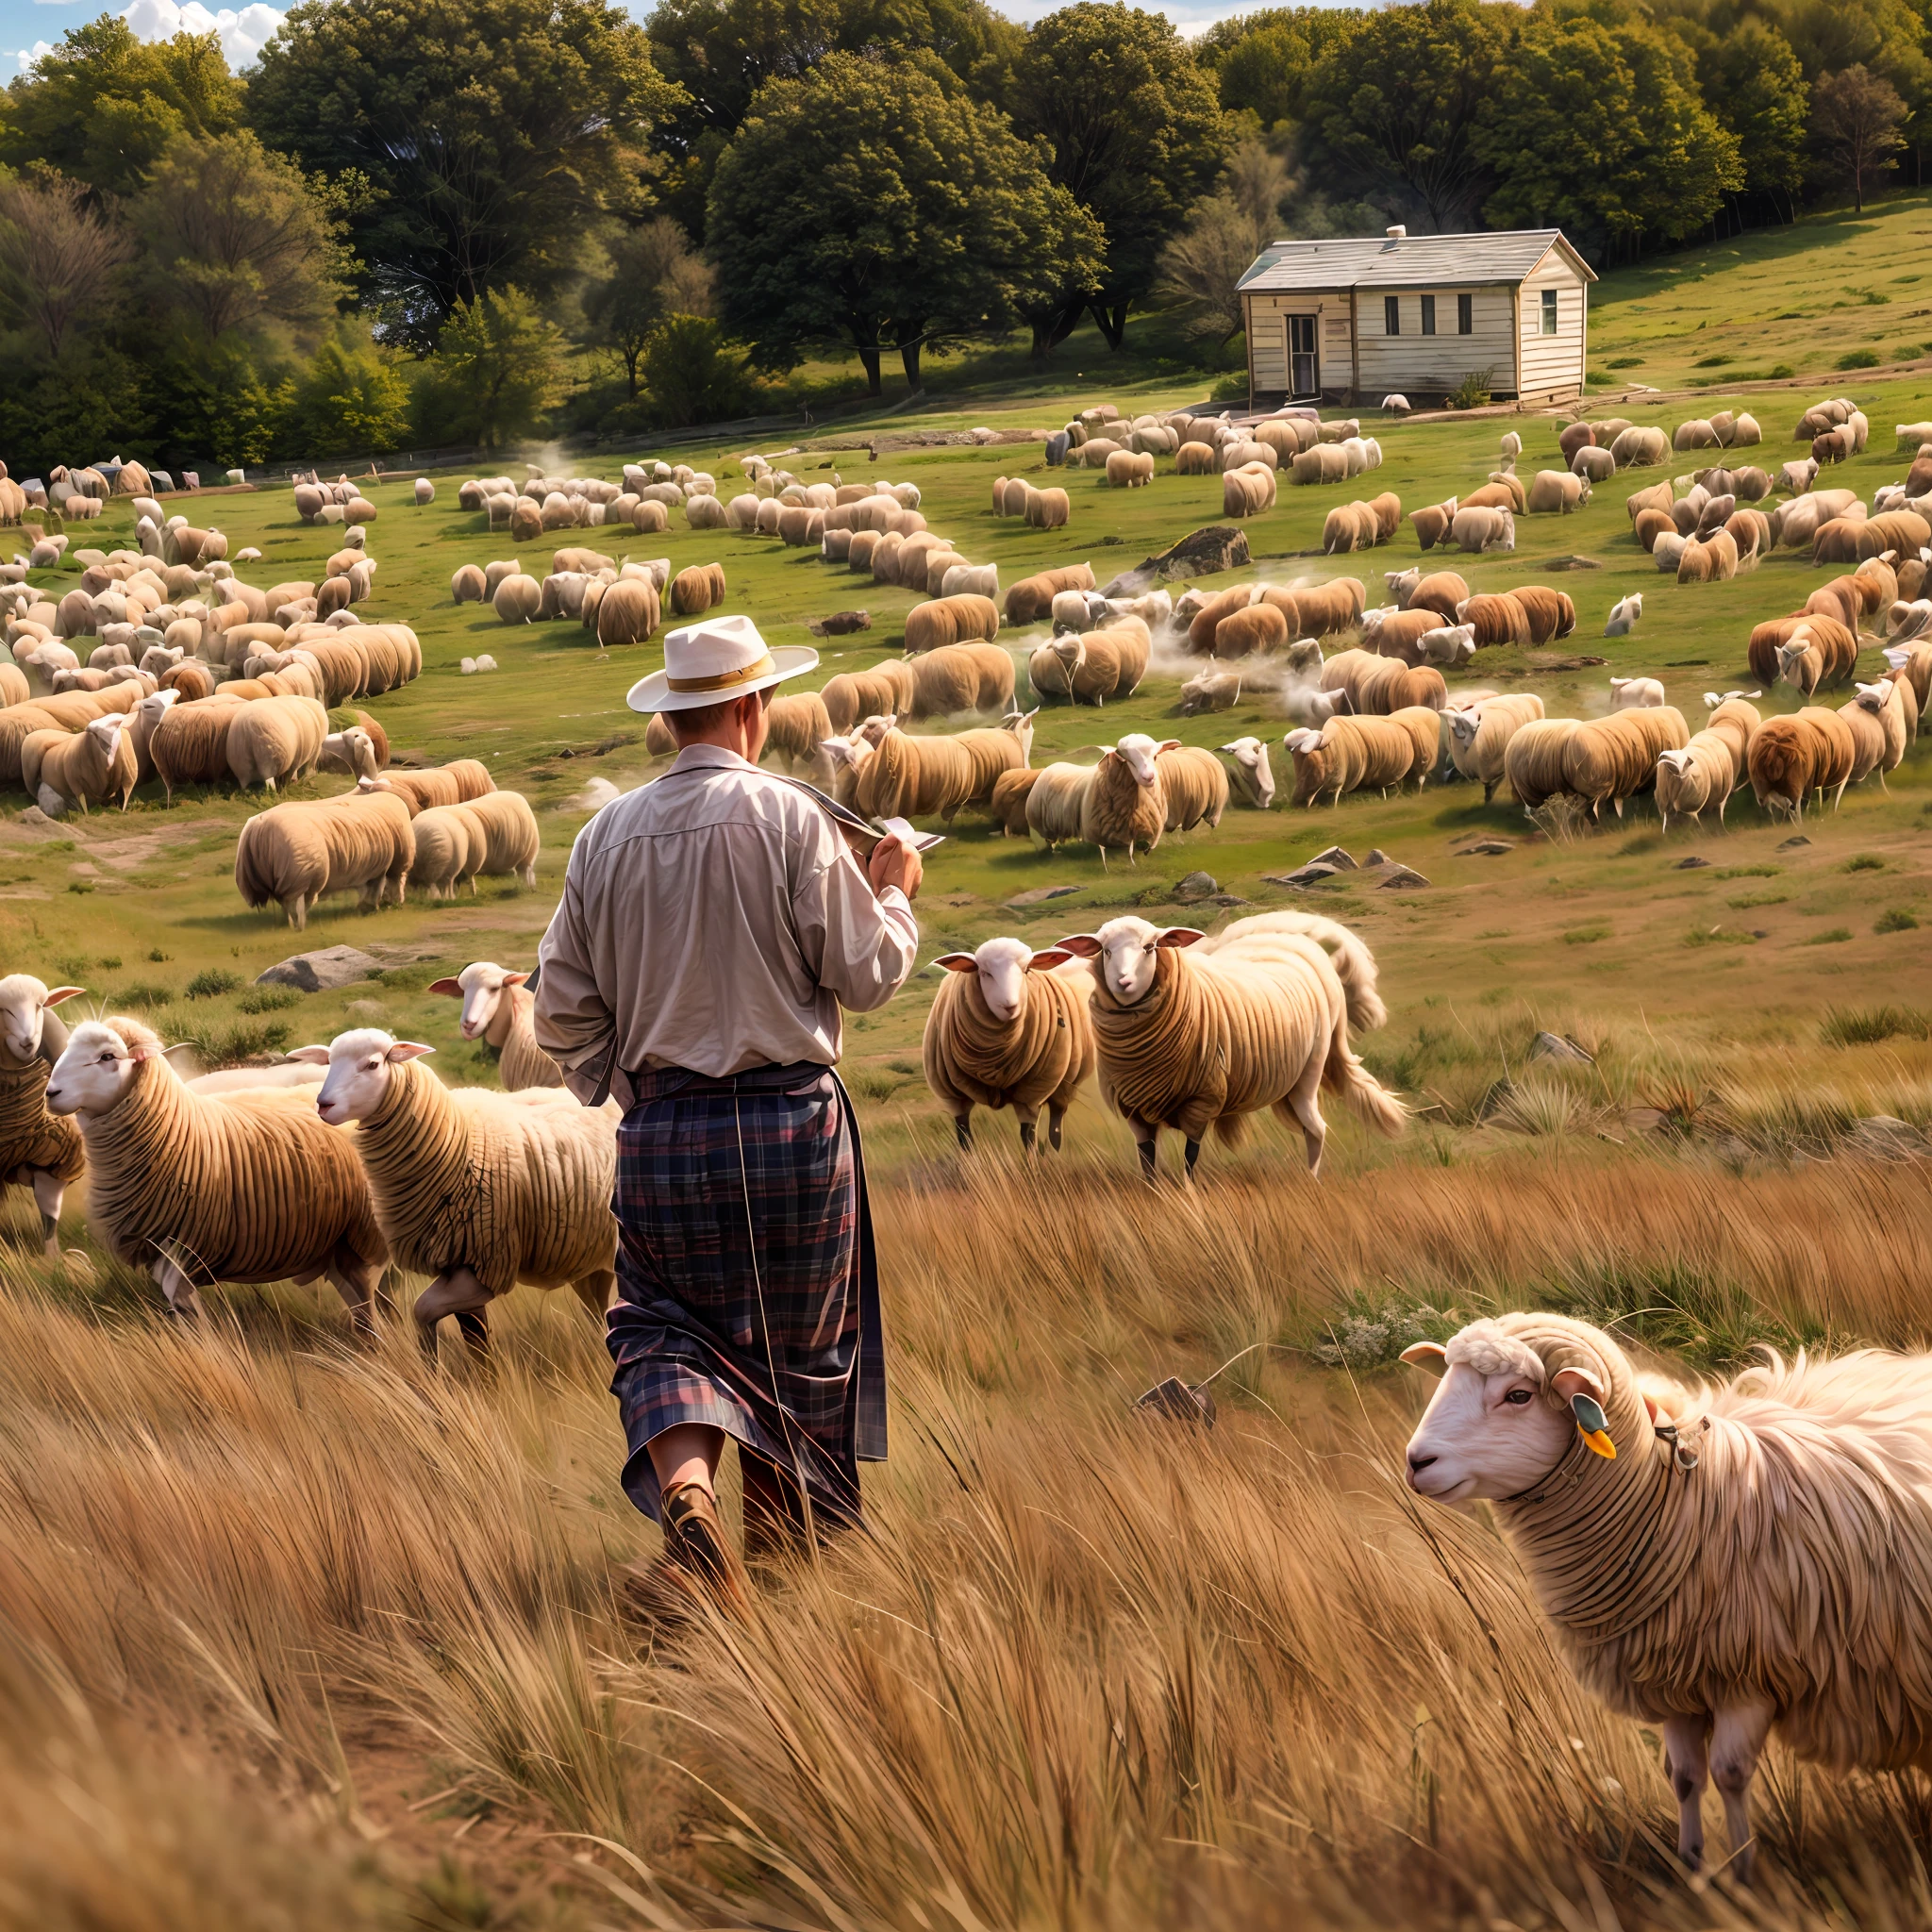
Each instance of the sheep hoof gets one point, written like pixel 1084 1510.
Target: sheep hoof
pixel 963 1131
pixel 1194 1154
pixel 1028 1141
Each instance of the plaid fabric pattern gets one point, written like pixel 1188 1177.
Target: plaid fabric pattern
pixel 747 1287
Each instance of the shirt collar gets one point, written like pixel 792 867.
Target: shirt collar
pixel 715 755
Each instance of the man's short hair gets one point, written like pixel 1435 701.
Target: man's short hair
pixel 700 719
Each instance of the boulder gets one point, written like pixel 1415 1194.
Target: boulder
pixel 1197 885
pixel 322 970
pixel 1202 553
pixel 1558 1047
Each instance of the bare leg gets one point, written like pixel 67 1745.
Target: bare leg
pixel 182 1299
pixel 1735 1739
pixel 1687 1764
pixel 688 1452
pixel 49 1191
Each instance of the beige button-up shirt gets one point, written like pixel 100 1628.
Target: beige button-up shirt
pixel 718 921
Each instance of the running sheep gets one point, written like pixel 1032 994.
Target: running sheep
pixel 1009 1028
pixel 1257 1016
pixel 1628 1505
pixel 478 1189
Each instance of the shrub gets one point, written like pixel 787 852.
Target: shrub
pixel 1472 391
pixel 1865 861
pixel 1713 361
pixel 231 1046
pixel 1868 1025
pixel 694 373
pixel 269 999
pixel 350 401
pixel 212 982
pixel 496 373
pixel 1627 362
pixel 1835 937
pixel 1857 359
pixel 1897 920
pixel 143 993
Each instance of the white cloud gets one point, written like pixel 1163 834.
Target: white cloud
pixel 244 34
pixel 25 58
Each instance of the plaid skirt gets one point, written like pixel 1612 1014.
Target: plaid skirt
pixel 746 1276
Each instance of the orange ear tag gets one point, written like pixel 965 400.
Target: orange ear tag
pixel 1594 1425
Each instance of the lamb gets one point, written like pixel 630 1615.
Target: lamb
pixel 1194 783
pixel 1817 1469
pixel 271 741
pixel 294 854
pixel 64 769
pixel 38 1149
pixel 950 621
pixel 1628 693
pixel 476 1189
pixel 1007 1029
pixel 1030 601
pixel 246 1187
pixel 1483 528
pixel 497 1009
pixel 1479 736
pixel 1257 1017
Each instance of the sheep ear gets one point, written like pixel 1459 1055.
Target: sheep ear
pixel 451 987
pixel 514 979
pixel 1429 1356
pixel 408 1050
pixel 310 1056
pixel 1571 1383
pixel 1050 956
pixel 1179 935
pixel 1081 946
pixel 958 962
pixel 1167 745
pixel 62 992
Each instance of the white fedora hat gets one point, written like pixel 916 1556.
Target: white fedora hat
pixel 710 662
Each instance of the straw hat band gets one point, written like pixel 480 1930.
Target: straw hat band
pixel 724 680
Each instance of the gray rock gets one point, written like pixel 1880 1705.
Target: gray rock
pixel 1557 1046
pixel 1376 857
pixel 322 971
pixel 1791 844
pixel 1692 863
pixel 1402 878
pixel 1336 857
pixel 1202 553
pixel 841 623
pixel 1180 1400
pixel 1228 899
pixel 1485 848
pixel 367 1009
pixel 1313 873
pixel 1197 885
pixel 1039 896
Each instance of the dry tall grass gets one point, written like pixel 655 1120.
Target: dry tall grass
pixel 1091 1670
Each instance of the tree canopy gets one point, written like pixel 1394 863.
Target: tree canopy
pixel 874 202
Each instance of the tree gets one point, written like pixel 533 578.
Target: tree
pixel 1398 102
pixel 494 137
pixel 652 274
pixel 497 372
pixel 59 257
pixel 1137 135
pixel 1756 87
pixel 350 401
pixel 874 203
pixel 1855 119
pixel 237 240
pixel 694 373
pixel 1261 61
pixel 103 104
pixel 1201 267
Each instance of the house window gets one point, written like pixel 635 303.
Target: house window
pixel 1391 316
pixel 1465 315
pixel 1429 315
pixel 1549 311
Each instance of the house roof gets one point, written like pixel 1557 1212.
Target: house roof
pixel 1405 261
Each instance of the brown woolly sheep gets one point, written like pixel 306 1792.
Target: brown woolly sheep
pixel 950 621
pixel 698 588
pixel 1379 687
pixel 1499 617
pixel 1030 600
pixel 1431 523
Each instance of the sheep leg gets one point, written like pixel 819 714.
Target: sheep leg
pixel 1194 1154
pixel 49 1191
pixel 1735 1739
pixel 356 1282
pixel 963 1131
pixel 1303 1105
pixel 1147 1139
pixel 472 1324
pixel 593 1290
pixel 454 1291
pixel 1027 1138
pixel 1687 1764
pixel 1055 1115
pixel 296 908
pixel 182 1299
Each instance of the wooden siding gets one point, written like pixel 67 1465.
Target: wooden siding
pixel 1428 363
pixel 1267 318
pixel 1552 365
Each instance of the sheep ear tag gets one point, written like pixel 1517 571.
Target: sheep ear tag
pixel 1594 1425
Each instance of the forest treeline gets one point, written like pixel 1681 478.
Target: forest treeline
pixel 416 223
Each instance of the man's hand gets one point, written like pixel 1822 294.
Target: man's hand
pixel 895 864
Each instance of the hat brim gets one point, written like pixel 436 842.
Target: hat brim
pixel 654 693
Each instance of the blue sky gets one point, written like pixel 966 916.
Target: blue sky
pixel 26 23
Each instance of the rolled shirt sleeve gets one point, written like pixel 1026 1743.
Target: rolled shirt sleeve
pixel 861 946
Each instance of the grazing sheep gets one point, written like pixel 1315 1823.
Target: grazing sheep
pixel 1631 1509
pixel 1790 759
pixel 1479 736
pixel 1378 687
pixel 1362 754
pixel 455 783
pixel 1533 760
pixel 447 854
pixel 950 621
pixel 517 599
pixel 934 778
pixel 294 854
pixel 38 1149
pixel 1055 804
pixel 1194 783
pixel 1483 528
pixel 1211 691
pixel 1248 491
pixel 1594 465
pixel 497 1010
pixel 271 741
pixel 1614 758
pixel 1007 804
pixel 1007 1029
pixel 1513 446
pixel 1251 776
pixel 1709 768
pixel 467 585
pixel 248 1186
pixel 1640 448
pixel 1030 601
pixel 1126 470
pixel 478 1189
pixel 1556 493
pixel 1495 617
pixel 1624 617
pixel 855 694
pixel 62 769
pixel 698 588
pixel 1819 653
pixel 1257 1016
pixel 1433 523
pixel 504 838
pixel 1629 693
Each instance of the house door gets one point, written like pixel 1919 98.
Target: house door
pixel 1302 372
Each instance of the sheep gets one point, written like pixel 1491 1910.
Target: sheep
pixel 1356 754
pixel 1640 448
pixel 970 580
pixel 38 1149
pixel 274 740
pixel 1533 760
pixel 1092 668
pixel 927 777
pixel 1625 615
pixel 1125 808
pixel 247 1186
pixel 1257 1016
pixel 1196 460
pixel 1378 686
pixel 446 854
pixel 1211 691
pixel 63 769
pixel 467 585
pixel 1513 446
pixel 1433 522
pixel 1047 510
pixel 1324 463
pixel 1008 1028
pixel 1194 783
pixel 960 677
pixel 478 1189
pixel 503 837
pixel 698 588
pixel 855 694
pixel 1479 736
pixel 1594 465
pixel 1556 493
pixel 1007 804
pixel 1615 757
pixel 1635 1551
pixel 1709 768
pixel 1495 617
pixel 1792 757
pixel 627 612
pixel 950 621
pixel 1912 662
pixel 1668 551
pixel 517 599
pixel 1128 469
pixel 1055 804
pixel 1501 492
pixel 1248 491
pixel 1819 653
pixel 1480 529
pixel 1030 600
pixel 1629 693
pixel 455 783
pixel 294 854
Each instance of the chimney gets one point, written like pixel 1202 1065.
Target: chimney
pixel 1398 233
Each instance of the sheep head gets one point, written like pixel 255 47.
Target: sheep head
pixel 1001 966
pixel 1125 952
pixel 480 986
pixel 357 1078
pixel 24 1002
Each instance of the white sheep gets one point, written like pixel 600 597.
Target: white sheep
pixel 1253 777
pixel 1716 1562
pixel 37 1148
pixel 1395 405
pixel 497 1009
pixel 1625 615
pixel 1450 644
pixel 1009 1028
pixel 1057 804
pixel 1635 694
pixel 476 1189
pixel 1479 734
pixel 1257 1017
pixel 245 1186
